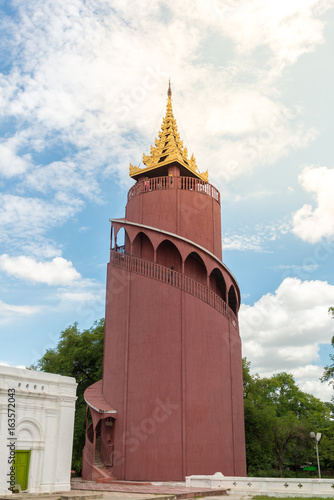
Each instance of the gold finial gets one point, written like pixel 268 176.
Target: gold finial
pixel 168 148
pixel 169 93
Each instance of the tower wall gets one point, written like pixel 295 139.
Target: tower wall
pixel 193 215
pixel 172 383
pixel 146 353
pixel 210 387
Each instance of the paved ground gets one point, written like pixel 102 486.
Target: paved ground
pixel 113 491
pixel 89 495
pixel 110 495
pixel 178 490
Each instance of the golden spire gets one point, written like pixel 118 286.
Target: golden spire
pixel 168 148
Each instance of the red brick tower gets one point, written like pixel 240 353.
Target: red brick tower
pixel 170 403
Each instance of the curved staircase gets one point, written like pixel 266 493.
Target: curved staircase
pixel 101 474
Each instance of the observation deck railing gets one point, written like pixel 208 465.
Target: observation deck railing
pixel 168 182
pixel 89 450
pixel 173 278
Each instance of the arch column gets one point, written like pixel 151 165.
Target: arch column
pixel 113 237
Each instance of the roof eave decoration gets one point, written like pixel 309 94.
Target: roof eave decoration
pixel 168 148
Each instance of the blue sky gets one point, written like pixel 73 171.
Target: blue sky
pixel 83 92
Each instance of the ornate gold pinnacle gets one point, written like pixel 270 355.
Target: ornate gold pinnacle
pixel 168 148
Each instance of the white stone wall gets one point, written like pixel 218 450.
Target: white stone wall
pixel 44 418
pixel 274 487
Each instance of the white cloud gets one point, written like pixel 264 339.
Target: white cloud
pixel 10 310
pixel 67 176
pixel 243 242
pixel 256 195
pixel 23 217
pixel 41 248
pixel 85 298
pixel 248 127
pixel 58 271
pixel 243 111
pixel 78 296
pixel 309 223
pixel 11 163
pixel 87 71
pixel 257 238
pixel 298 268
pixel 289 27
pixel 83 293
pixel 282 331
pixel 309 381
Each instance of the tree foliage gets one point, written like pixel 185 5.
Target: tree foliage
pixel 79 354
pixel 278 420
pixel 329 370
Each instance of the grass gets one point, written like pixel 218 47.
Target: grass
pixel 264 497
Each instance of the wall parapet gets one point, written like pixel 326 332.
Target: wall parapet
pixel 168 182
pixel 275 487
pixel 173 278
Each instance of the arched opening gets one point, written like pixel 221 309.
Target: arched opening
pixel 194 267
pixel 142 247
pixel 217 283
pixel 107 441
pixel 122 242
pixel 232 299
pixel 29 451
pixel 169 256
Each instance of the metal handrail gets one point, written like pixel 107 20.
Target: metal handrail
pixel 89 450
pixel 169 182
pixel 173 278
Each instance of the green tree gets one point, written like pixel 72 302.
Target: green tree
pixel 79 354
pixel 329 370
pixel 326 447
pixel 278 419
pixel 259 419
pixel 291 443
pixel 327 441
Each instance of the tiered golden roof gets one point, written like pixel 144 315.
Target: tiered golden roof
pixel 168 148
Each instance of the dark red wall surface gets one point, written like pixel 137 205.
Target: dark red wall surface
pixel 172 352
pixel 193 215
pixel 178 389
